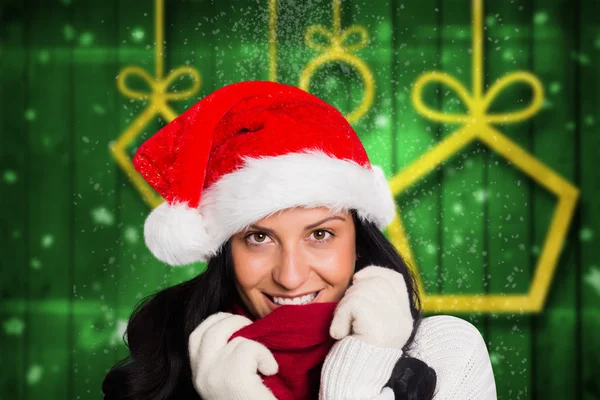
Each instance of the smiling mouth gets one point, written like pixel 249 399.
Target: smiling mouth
pixel 300 300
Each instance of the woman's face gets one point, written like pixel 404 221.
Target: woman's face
pixel 292 256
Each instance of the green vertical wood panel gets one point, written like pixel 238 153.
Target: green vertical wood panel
pixel 508 193
pixel 239 32
pixel 50 196
pixel 190 36
pixel 554 139
pixel 352 14
pixel 589 216
pixel 416 44
pixel 375 127
pixel 95 328
pixel 14 164
pixel 139 274
pixel 463 175
pixel 331 81
pixel 293 19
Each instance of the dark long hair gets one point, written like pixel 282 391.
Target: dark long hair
pixel 157 333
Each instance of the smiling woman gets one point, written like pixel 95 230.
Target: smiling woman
pixel 279 260
pixel 303 296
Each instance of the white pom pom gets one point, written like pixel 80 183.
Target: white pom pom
pixel 385 203
pixel 176 234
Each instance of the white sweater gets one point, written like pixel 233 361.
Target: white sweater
pixel 453 347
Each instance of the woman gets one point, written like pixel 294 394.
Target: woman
pixel 303 296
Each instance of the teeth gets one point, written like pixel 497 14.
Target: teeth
pixel 296 300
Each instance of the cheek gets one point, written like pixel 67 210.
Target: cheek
pixel 249 268
pixel 336 268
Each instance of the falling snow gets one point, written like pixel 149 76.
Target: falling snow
pixel 137 34
pixel 68 32
pixel 35 263
pixel 102 216
pixel 592 278
pixel 540 17
pixel 586 235
pixel 30 115
pixel 98 109
pixel 86 39
pixel 131 235
pixel 14 326
pixel 34 374
pixel 44 56
pixel 9 176
pixel 47 241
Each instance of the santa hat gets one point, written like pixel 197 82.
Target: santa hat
pixel 243 153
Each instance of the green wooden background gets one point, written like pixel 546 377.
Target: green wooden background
pixel 71 242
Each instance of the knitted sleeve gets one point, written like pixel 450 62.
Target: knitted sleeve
pixel 455 349
pixel 354 370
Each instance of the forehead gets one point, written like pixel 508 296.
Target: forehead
pixel 304 213
pixel 299 216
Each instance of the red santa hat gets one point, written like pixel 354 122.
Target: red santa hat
pixel 243 153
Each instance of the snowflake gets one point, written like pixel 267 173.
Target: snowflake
pixel 30 114
pixel 14 326
pixel 10 176
pixel 592 278
pixel 102 216
pixel 34 375
pixel 47 241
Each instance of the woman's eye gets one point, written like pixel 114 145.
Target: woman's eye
pixel 321 235
pixel 259 237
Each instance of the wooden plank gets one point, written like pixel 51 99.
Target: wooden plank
pixel 416 37
pixel 554 144
pixel 292 54
pixel 14 202
pixel 50 194
pixel 236 38
pixel 190 35
pixel 331 81
pixel 138 273
pixel 508 193
pixel 462 218
pixel 375 128
pixel 94 125
pixel 588 223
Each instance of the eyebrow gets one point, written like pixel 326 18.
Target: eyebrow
pixel 268 230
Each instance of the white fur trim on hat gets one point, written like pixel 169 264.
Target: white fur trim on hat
pixel 179 235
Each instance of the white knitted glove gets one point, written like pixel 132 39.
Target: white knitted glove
pixel 229 370
pixel 375 309
pixel 372 323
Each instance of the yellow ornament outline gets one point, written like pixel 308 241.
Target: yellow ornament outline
pixel 159 96
pixel 336 50
pixel 477 125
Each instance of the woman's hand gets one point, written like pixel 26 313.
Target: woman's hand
pixel 375 309
pixel 372 323
pixel 229 370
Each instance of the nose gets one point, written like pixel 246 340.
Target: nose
pixel 292 270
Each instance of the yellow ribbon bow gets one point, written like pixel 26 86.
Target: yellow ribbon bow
pixel 337 50
pixel 159 95
pixel 476 104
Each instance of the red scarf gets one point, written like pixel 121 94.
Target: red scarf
pixel 298 337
